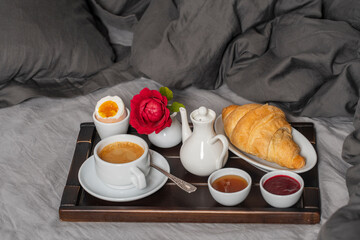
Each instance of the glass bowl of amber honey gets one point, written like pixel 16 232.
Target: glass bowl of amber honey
pixel 229 186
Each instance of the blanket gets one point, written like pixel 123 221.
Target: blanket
pixel 302 55
pixel 37 146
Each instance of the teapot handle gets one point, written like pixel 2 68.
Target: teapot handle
pixel 225 143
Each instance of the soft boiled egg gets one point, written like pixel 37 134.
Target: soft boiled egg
pixel 110 109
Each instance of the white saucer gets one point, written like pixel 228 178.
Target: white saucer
pixel 94 186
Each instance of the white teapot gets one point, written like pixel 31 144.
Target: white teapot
pixel 202 151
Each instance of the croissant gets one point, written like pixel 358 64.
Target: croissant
pixel 262 130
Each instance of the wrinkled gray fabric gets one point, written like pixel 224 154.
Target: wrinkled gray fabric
pixel 310 66
pixel 340 10
pixel 180 43
pixel 37 145
pixel 119 17
pixel 344 224
pixel 313 59
pixel 71 52
pixel 302 55
pixel 50 44
pixel 14 93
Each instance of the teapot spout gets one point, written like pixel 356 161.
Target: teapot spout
pixel 186 131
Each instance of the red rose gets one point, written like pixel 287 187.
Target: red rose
pixel 149 112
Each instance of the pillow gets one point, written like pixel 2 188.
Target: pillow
pixel 120 18
pixel 49 44
pixel 181 43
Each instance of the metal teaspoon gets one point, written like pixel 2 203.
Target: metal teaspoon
pixel 181 183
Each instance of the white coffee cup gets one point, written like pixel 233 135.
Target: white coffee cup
pixel 110 129
pixel 123 175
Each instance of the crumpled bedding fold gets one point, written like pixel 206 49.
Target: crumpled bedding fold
pixel 303 56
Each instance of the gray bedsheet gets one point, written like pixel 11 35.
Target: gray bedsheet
pixel 300 54
pixel 36 148
pixel 38 136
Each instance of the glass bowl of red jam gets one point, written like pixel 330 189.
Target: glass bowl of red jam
pixel 229 186
pixel 282 188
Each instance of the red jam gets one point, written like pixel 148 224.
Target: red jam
pixel 281 185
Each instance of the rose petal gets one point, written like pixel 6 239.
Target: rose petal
pixel 149 112
pixel 154 110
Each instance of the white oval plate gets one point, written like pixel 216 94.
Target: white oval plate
pixel 94 186
pixel 307 151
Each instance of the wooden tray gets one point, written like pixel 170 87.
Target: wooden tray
pixel 171 204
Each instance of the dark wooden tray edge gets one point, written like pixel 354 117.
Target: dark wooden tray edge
pixel 68 207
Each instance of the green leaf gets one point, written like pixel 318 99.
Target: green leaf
pixel 175 107
pixel 167 93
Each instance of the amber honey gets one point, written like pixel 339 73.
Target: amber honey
pixel 229 183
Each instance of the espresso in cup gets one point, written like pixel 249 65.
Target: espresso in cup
pixel 122 161
pixel 121 152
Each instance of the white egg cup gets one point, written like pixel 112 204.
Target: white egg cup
pixel 110 129
pixel 234 198
pixel 281 201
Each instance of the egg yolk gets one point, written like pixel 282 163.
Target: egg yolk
pixel 108 109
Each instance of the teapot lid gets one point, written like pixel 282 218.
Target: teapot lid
pixel 203 114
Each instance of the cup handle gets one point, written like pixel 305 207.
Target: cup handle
pixel 138 178
pixel 225 143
